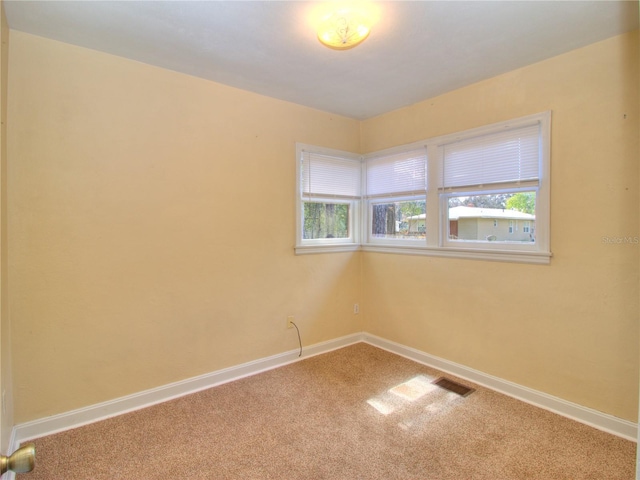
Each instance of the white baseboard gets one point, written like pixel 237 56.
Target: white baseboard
pixel 601 421
pixel 83 416
pixel 101 411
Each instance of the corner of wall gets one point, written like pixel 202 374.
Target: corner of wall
pixel 6 391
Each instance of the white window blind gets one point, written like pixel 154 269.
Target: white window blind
pixel 398 174
pixel 511 156
pixel 327 176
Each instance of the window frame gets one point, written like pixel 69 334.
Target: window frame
pixel 326 241
pixel 326 245
pixel 369 201
pixel 436 242
pixel 512 225
pixel 540 251
pixel 390 241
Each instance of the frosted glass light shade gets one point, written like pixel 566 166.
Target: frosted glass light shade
pixel 343 29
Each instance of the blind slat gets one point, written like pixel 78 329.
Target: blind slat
pixel 328 176
pixel 398 173
pixel 509 156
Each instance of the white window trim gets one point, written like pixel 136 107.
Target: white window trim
pixel 435 244
pixel 331 241
pixel 538 258
pixel 325 245
pixel 388 241
pixel 367 236
pixel 512 227
pixel 541 246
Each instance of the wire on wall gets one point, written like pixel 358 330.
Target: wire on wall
pixel 299 339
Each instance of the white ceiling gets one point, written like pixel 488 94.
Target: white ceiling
pixel 416 50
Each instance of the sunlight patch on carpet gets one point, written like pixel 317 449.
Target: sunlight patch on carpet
pixel 399 396
pixel 414 389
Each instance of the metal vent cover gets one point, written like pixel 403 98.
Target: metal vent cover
pixel 454 387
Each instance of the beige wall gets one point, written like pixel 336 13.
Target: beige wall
pixel 6 413
pixel 569 329
pixel 131 261
pixel 131 265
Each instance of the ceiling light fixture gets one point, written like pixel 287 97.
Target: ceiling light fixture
pixel 343 29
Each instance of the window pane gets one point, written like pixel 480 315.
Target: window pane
pixel 399 220
pixel 503 217
pixel 325 220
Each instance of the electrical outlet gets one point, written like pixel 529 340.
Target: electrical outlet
pixel 290 319
pixel 356 309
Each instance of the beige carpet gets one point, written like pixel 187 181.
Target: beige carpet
pixel 355 413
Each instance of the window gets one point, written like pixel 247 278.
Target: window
pixel 328 199
pixel 396 196
pixel 482 193
pixel 493 175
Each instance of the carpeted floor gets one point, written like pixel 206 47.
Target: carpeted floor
pixel 355 413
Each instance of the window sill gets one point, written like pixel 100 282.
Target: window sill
pixel 535 258
pixel 538 258
pixel 336 248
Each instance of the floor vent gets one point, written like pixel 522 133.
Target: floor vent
pixel 454 386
